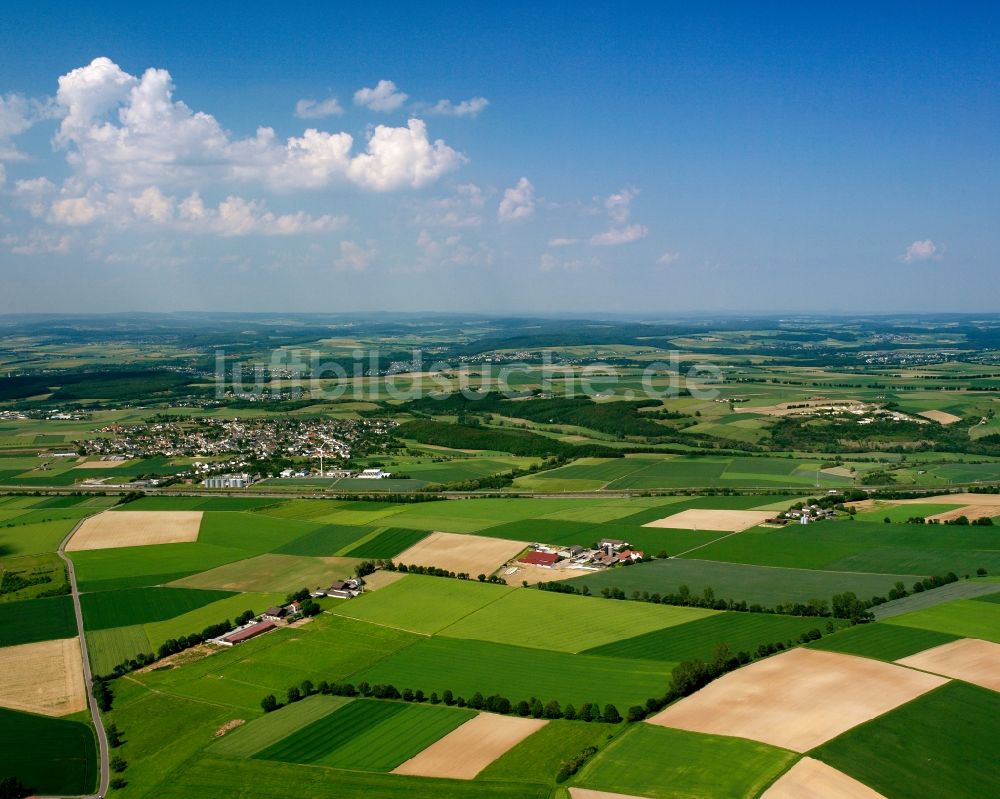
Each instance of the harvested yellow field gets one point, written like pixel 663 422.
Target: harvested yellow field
pixel 798 699
pixel 941 417
pixel 472 554
pixel 726 521
pixel 966 659
pixel 811 779
pixel 970 512
pixel 45 677
pixel 966 498
pixel 123 528
pixel 467 750
pixel 102 464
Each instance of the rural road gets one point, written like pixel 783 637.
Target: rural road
pixel 102 738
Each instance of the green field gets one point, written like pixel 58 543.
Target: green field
pixel 547 620
pixel 421 604
pixel 941 744
pixel 133 567
pixel 965 618
pixel 698 639
pixel 36 620
pixel 108 648
pixel 271 572
pixel 882 641
pixel 388 543
pixel 900 513
pixel 539 757
pixel 259 734
pixel 767 586
pixel 30 539
pixel 46 568
pixel 327 540
pixel 864 547
pixel 201 503
pixel 128 606
pixel 50 756
pixel 468 666
pixel 667 764
pixel 367 735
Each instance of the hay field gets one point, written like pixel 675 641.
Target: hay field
pixel 812 779
pixel 473 554
pixel 103 464
pixel 272 572
pixel 967 659
pixel 941 417
pixel 113 529
pixel 970 512
pixel 797 700
pixel 732 521
pixel 45 677
pixel 467 750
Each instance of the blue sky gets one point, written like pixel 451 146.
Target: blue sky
pixel 530 157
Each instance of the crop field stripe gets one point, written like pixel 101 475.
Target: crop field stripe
pixel 698 639
pixel 882 641
pixel 965 618
pixel 271 728
pixel 53 756
pixel 388 543
pixel 32 620
pixel 107 609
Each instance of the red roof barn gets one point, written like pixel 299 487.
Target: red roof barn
pixel 539 558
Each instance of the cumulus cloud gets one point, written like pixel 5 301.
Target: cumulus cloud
pixel 317 109
pixel 518 202
pixel 17 114
pixel 668 258
pixel 130 132
pixel 450 250
pixel 466 108
pixel 354 257
pixel 37 242
pixel 549 263
pixel 619 235
pixel 925 250
pixel 562 242
pixel 385 96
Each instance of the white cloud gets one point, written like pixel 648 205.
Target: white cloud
pixel 549 263
pixel 619 235
pixel 317 109
pixel 619 204
pixel 37 242
pixel 385 96
pixel 563 242
pixel 34 195
pixel 131 133
pixel 462 209
pixel 451 250
pixel 518 202
pixel 668 258
pixel 925 250
pixel 354 257
pixel 466 108
pixel 17 114
pixel 153 206
pixel 76 211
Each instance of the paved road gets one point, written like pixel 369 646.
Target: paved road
pixel 102 738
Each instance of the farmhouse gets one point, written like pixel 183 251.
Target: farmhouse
pixel 612 544
pixel 275 614
pixel 245 633
pixel 344 589
pixel 544 559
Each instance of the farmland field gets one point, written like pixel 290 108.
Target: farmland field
pixel 698 639
pixel 108 648
pixel 367 735
pixel 768 586
pixel 261 733
pixel 388 544
pixel 129 606
pixel 965 618
pixel 422 604
pixel 665 763
pixel 539 757
pixel 546 620
pixel 196 620
pixel 69 764
pixel 942 744
pixel 882 641
pixel 272 572
pixel 36 620
pixel 518 673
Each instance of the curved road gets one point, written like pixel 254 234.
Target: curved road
pixel 102 738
